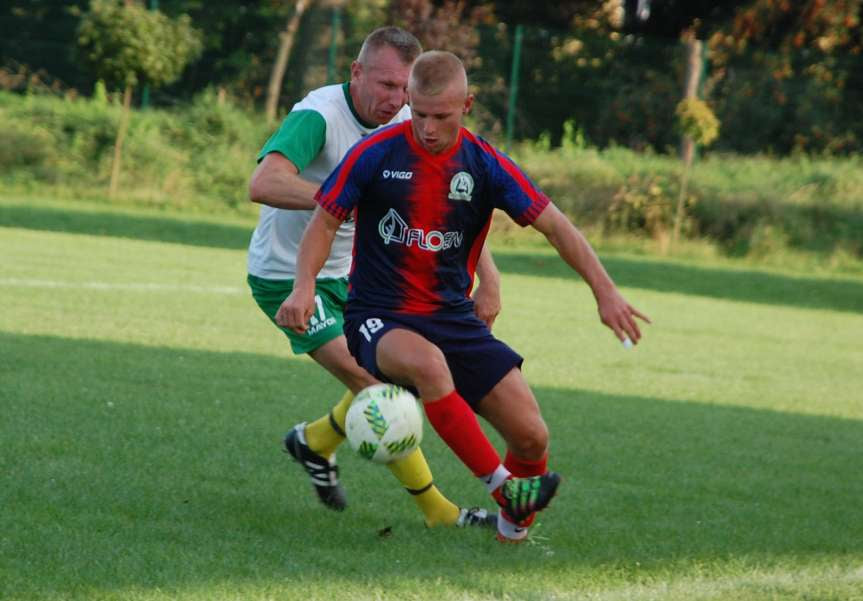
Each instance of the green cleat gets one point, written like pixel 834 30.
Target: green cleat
pixel 519 498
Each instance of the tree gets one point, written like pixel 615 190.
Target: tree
pixel 127 45
pixel 286 42
pixel 450 26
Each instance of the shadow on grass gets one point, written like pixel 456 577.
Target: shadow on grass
pixel 737 285
pixel 130 467
pixel 650 274
pixel 125 225
pixel 682 480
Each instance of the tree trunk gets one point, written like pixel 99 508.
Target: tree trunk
pixel 690 90
pixel 687 146
pixel 286 42
pixel 118 143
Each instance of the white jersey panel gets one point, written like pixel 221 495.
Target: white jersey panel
pixel 275 242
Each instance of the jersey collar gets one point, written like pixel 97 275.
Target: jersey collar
pixel 346 88
pixel 444 156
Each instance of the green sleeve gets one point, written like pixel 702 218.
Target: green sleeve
pixel 300 138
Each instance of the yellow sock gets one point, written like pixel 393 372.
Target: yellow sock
pixel 414 474
pixel 321 436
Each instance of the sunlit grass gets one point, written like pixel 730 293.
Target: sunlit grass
pixel 143 396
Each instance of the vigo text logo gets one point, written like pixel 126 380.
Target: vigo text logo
pixel 397 174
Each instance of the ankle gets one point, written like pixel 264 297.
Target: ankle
pixel 495 479
pixel 509 531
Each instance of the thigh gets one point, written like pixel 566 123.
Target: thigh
pixel 477 360
pixel 408 358
pixel 335 358
pixel 363 330
pixel 325 324
pixel 397 348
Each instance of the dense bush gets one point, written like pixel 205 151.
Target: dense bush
pixel 200 155
pixel 748 205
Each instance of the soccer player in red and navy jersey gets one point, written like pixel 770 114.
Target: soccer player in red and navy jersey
pixel 311 141
pixel 422 194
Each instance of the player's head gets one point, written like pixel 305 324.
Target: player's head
pixel 379 76
pixel 439 98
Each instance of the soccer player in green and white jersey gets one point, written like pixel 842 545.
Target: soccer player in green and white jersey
pixel 311 141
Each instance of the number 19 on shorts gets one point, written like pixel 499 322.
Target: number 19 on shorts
pixel 371 325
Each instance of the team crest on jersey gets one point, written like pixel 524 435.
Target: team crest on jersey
pixel 461 186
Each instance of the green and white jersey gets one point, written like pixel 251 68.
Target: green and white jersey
pixel 314 136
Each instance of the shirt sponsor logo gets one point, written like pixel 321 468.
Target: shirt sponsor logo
pixel 393 228
pixel 461 186
pixel 397 174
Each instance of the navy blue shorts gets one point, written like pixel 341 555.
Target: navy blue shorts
pixel 476 359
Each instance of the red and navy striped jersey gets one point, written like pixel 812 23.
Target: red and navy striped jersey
pixel 422 219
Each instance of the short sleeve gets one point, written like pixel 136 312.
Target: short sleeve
pixel 341 191
pixel 300 138
pixel 515 193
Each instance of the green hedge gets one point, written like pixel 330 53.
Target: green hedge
pixel 748 205
pixel 196 156
pixel 200 157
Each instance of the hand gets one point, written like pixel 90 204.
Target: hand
pixel 486 302
pixel 620 316
pixel 296 310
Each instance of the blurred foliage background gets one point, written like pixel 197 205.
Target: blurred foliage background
pixel 598 113
pixel 780 76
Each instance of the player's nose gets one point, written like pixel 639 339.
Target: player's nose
pixel 398 98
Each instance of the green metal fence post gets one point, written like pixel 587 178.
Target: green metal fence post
pixel 335 27
pixel 513 85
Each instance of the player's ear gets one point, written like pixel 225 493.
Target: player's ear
pixel 356 70
pixel 468 103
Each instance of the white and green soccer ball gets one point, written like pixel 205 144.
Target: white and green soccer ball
pixel 384 423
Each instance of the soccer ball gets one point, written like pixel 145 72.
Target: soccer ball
pixel 384 423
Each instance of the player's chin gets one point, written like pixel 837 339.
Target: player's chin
pixel 432 145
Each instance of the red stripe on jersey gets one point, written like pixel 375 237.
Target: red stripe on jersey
pixel 538 198
pixel 328 200
pixel 428 209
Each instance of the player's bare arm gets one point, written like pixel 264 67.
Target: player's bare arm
pixel 276 182
pixel 295 311
pixel 574 248
pixel 486 295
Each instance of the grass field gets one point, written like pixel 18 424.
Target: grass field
pixel 143 396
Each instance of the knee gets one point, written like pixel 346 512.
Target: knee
pixel 430 367
pixel 532 441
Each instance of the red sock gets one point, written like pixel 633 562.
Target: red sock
pixel 456 424
pixel 523 468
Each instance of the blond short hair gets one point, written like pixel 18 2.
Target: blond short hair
pixel 435 70
pixel 403 42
